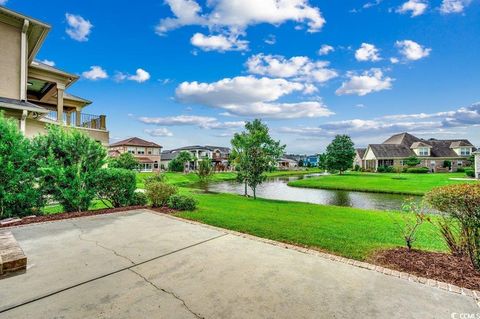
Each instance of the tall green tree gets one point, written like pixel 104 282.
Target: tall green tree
pixel 19 195
pixel 239 159
pixel 178 163
pixel 125 161
pixel 69 163
pixel 412 161
pixel 340 153
pixel 257 153
pixel 322 161
pixel 205 170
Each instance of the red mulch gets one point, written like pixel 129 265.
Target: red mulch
pixel 439 266
pixel 52 217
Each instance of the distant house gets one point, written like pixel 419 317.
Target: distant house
pixel 217 154
pixel 307 160
pixel 432 152
pixel 359 154
pixel 311 160
pixel 286 163
pixel 147 153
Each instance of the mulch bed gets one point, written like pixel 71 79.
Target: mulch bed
pixel 52 217
pixel 439 266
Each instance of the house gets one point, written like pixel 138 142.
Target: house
pixel 217 154
pixel 34 93
pixel 307 160
pixel 358 160
pixel 286 163
pixel 432 152
pixel 147 153
pixel 311 161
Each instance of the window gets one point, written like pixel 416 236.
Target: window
pixel 423 151
pixel 140 150
pixel 465 151
pixel 131 150
pixel 459 163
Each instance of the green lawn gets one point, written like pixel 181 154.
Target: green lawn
pixel 349 232
pixel 409 184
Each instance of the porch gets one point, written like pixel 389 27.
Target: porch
pixel 77 119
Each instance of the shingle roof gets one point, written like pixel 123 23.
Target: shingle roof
pixel 168 155
pixel 135 141
pixel 361 152
pixel 21 105
pixel 391 150
pixel 402 138
pixel 460 143
pixel 420 144
pixel 200 147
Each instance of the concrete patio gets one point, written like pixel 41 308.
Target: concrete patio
pixel 141 264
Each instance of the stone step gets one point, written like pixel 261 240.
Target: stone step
pixel 12 257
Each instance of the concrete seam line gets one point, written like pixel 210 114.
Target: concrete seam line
pixel 359 264
pixel 8 308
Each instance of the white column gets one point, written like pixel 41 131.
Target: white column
pixel 60 90
pixel 23 62
pixel 477 164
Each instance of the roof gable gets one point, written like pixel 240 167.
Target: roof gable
pixel 135 141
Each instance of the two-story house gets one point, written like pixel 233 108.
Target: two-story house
pixel 34 93
pixel 432 152
pixel 147 153
pixel 217 154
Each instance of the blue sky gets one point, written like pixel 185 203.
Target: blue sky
pixel 182 72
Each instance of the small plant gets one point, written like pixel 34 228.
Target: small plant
pixel 116 186
pixel 470 172
pixel 461 203
pixel 139 199
pixel 158 193
pixel 412 161
pixel 357 168
pixel 205 170
pixel 156 177
pixel 461 169
pixel 182 202
pixel 447 164
pixel 418 170
pixel 408 221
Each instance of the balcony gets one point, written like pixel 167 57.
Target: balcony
pixel 80 120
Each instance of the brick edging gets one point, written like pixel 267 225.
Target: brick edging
pixel 475 294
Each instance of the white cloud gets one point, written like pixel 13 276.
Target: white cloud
pixel 325 49
pixel 299 68
pixel 236 16
pixel 271 39
pixel 78 28
pixel 250 96
pixel 394 60
pixel 3 2
pixel 415 7
pixel 140 76
pixel 454 6
pixel 367 52
pixel 411 50
pixel 95 73
pixel 371 4
pixel 219 43
pixel 48 62
pixel 162 131
pixel 205 122
pixel 368 82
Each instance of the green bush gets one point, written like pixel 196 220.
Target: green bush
pixel 139 199
pixel 19 195
pixel 175 166
pixel 116 186
pixel 381 169
pixel 460 169
pixel 357 168
pixel 124 160
pixel 182 202
pixel 470 172
pixel 158 193
pixel 418 170
pixel 69 163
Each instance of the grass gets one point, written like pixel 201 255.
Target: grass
pixel 57 209
pixel 349 232
pixel 186 180
pixel 408 184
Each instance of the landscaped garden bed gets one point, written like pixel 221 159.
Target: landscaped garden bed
pixel 439 266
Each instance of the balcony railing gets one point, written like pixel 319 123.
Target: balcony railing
pixel 97 122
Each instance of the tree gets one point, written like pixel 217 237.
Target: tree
pixel 205 170
pixel 412 161
pixel 125 161
pixel 300 163
pixel 238 158
pixel 257 153
pixel 322 161
pixel 19 195
pixel 178 163
pixel 69 163
pixel 340 154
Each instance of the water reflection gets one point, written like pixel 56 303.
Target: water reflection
pixel 277 188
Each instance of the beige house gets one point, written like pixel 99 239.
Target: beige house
pixel 477 164
pixel 147 153
pixel 432 152
pixel 35 93
pixel 218 154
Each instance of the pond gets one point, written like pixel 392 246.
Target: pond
pixel 277 188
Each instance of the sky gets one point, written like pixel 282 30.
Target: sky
pixel 185 72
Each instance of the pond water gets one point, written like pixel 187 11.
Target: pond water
pixel 277 188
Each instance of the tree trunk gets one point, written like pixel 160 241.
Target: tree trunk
pixel 254 192
pixel 246 190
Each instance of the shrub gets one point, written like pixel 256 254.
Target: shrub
pixel 447 164
pixel 205 170
pixel 412 161
pixel 158 193
pixel 125 161
pixel 69 163
pixel 19 195
pixel 462 203
pixel 156 177
pixel 381 169
pixel 460 169
pixel 357 168
pixel 408 222
pixel 470 172
pixel 139 199
pixel 182 202
pixel 116 186
pixel 175 166
pixel 418 170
